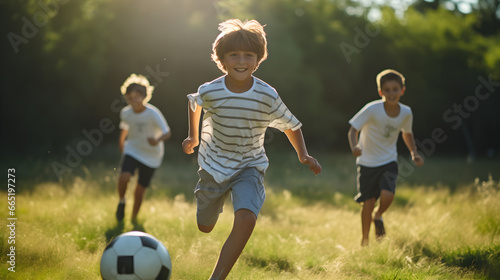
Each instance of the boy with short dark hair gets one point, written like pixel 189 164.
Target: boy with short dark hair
pixel 143 130
pixel 380 122
pixel 238 109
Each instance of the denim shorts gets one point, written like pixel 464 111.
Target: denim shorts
pixel 246 189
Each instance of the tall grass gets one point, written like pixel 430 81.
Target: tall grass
pixel 309 227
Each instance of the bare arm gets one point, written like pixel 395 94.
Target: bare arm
pixel 410 144
pixel 297 140
pixel 121 140
pixel 192 140
pixel 353 137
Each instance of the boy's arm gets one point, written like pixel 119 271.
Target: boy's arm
pixel 352 136
pixel 297 140
pixel 153 142
pixel 410 143
pixel 121 140
pixel 193 133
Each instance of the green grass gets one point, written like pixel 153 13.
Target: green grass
pixel 444 223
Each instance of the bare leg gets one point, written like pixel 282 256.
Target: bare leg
pixel 366 219
pixel 244 223
pixel 138 197
pixel 122 189
pixel 386 198
pixel 122 184
pixel 206 229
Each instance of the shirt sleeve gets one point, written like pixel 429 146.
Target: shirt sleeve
pixel 123 124
pixel 407 124
pixel 360 118
pixel 194 101
pixel 195 98
pixel 282 118
pixel 162 123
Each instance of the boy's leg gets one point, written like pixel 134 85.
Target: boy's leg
pixel 205 229
pixel 138 197
pixel 143 180
pixel 366 219
pixel 122 184
pixel 210 198
pixel 244 223
pixel 387 189
pixel 122 188
pixel 386 198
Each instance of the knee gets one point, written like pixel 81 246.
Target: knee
pixel 124 177
pixel 139 194
pixel 139 189
pixel 246 217
pixel 369 202
pixel 386 194
pixel 205 229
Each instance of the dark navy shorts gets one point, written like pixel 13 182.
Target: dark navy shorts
pixel 130 164
pixel 371 180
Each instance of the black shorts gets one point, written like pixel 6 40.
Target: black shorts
pixel 371 180
pixel 130 164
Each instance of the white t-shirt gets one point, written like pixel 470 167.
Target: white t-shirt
pixel 141 126
pixel 379 132
pixel 234 126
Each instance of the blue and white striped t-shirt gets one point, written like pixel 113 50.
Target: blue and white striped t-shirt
pixel 234 126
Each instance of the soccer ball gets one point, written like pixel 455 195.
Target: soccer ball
pixel 135 255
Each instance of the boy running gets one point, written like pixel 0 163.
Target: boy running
pixel 380 122
pixel 238 109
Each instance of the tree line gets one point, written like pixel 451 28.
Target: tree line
pixel 63 63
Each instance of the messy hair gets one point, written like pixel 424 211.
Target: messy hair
pixel 140 84
pixel 390 75
pixel 239 36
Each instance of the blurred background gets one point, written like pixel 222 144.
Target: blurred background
pixel 63 62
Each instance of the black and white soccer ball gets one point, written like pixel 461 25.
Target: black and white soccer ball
pixel 135 255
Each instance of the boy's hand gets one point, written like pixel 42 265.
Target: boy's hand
pixel 356 151
pixel 313 164
pixel 417 159
pixel 152 141
pixel 189 144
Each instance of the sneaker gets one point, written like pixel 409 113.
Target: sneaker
pixel 379 228
pixel 120 212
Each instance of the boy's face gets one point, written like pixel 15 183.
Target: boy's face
pixel 135 99
pixel 391 91
pixel 240 65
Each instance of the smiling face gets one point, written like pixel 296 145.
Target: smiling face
pixel 135 99
pixel 248 36
pixel 239 66
pixel 391 91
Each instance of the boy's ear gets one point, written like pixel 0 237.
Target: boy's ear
pixel 403 90
pixel 380 93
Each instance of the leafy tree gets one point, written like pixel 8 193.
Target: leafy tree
pixel 63 63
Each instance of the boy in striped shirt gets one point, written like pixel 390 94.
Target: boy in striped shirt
pixel 238 108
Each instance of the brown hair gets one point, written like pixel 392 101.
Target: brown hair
pixel 138 83
pixel 390 75
pixel 239 36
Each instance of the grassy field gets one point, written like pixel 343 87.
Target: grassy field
pixel 444 223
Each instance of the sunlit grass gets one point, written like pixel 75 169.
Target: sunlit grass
pixel 309 228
